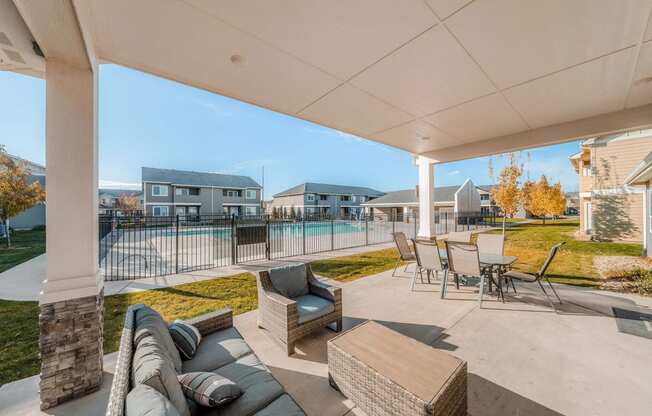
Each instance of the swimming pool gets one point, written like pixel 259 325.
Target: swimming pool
pixel 276 229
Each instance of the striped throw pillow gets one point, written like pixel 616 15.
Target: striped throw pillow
pixel 209 389
pixel 186 337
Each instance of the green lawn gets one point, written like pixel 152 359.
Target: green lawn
pixel 353 267
pixel 24 246
pixel 574 263
pixel 19 332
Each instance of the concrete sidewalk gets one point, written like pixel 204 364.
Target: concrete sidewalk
pixel 24 281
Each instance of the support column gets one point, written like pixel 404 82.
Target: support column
pixel 426 197
pixel 71 303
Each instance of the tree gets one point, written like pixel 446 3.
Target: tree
pixel 556 201
pixel 128 202
pixel 507 194
pixel 16 193
pixel 526 195
pixel 544 200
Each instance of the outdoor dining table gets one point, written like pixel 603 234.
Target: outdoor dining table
pixel 494 261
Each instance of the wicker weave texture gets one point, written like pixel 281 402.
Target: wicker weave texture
pixel 279 316
pixel 121 384
pixel 377 395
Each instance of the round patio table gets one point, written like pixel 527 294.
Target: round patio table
pixel 494 261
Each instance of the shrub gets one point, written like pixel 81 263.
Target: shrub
pixel 39 227
pixel 638 279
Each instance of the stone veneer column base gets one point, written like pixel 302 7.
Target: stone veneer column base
pixel 70 341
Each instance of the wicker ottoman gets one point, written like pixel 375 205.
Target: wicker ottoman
pixel 386 373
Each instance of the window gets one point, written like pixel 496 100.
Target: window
pixel 160 210
pixel 159 190
pixel 186 191
pixel 180 210
pixel 586 171
pixel 310 197
pixel 250 210
pixel 233 193
pixel 484 197
pixel 354 198
pixel 323 197
pixel 192 210
pixel 250 194
pixel 345 197
pixel 362 198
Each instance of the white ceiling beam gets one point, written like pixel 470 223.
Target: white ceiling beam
pixel 56 28
pixel 626 120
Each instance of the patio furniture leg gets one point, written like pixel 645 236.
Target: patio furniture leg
pixel 552 305
pixel 406 267
pixel 513 286
pixel 553 290
pixel 428 276
pixel 414 278
pixel 398 262
pixel 332 383
pixel 338 325
pixel 443 284
pixel 457 281
pixel 289 348
pixel 481 289
pixel 421 274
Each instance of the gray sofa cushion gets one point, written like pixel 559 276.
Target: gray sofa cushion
pixel 216 350
pixel 149 323
pixel 209 389
pixel 311 307
pixel 146 401
pixel 290 281
pixel 258 385
pixel 151 366
pixel 283 406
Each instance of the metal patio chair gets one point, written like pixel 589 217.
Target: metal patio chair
pixel 464 259
pixel 541 274
pixel 428 259
pixel 494 244
pixel 404 252
pixel 459 236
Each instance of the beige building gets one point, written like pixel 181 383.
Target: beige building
pixel 609 208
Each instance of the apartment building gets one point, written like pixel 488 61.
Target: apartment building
pixel 177 192
pixel 108 200
pixel 403 204
pixel 322 199
pixel 609 207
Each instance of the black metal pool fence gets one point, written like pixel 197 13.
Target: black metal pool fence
pixel 139 246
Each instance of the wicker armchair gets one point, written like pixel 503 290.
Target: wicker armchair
pixel 280 315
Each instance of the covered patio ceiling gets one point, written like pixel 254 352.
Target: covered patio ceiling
pixel 445 79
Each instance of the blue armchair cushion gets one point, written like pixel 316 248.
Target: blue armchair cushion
pixel 290 281
pixel 312 307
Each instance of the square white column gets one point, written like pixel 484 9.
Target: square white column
pixel 426 197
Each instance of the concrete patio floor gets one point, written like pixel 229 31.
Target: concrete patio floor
pixel 589 357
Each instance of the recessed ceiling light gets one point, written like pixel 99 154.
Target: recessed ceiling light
pixel 237 59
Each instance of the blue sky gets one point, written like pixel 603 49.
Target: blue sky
pixel 149 121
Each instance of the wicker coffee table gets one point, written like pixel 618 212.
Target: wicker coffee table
pixel 386 373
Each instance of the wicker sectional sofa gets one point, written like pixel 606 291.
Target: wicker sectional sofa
pixel 222 351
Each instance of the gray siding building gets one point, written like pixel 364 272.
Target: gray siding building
pixel 322 200
pixel 177 192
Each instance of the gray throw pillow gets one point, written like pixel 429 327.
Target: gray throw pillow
pixel 143 400
pixel 209 389
pixel 290 281
pixel 186 337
